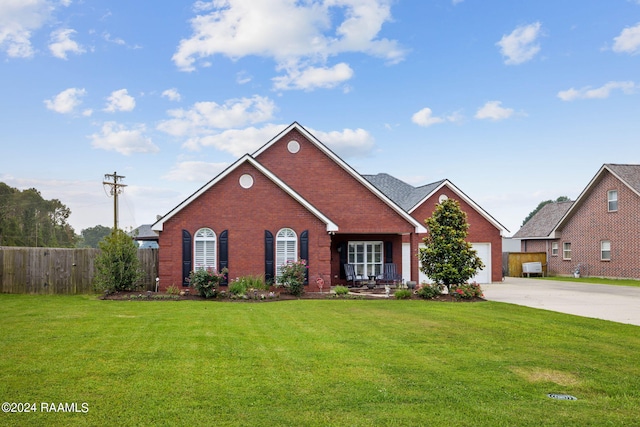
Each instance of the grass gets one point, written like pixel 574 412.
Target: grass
pixel 594 280
pixel 314 363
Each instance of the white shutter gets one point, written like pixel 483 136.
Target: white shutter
pixel 286 248
pixel 204 249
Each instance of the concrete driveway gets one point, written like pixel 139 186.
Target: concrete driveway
pixel 616 303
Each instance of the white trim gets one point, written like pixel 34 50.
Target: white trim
pixel 419 228
pixel 331 226
pixel 406 261
pixel 467 199
pixel 587 191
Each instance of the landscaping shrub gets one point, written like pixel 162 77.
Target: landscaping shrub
pixel 173 290
pixel 466 291
pixel 402 294
pixel 206 282
pixel 429 290
pixel 241 285
pixel 117 264
pixel 341 290
pixel 292 277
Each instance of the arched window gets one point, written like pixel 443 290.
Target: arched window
pixel 204 249
pixel 286 248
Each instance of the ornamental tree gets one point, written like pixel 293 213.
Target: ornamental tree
pixel 448 259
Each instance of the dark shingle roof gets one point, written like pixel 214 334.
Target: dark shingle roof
pixel 630 174
pixel 404 195
pixel 144 232
pixel 544 221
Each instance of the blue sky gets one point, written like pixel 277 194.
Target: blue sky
pixel 513 101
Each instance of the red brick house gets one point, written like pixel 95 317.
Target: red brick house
pixel 295 199
pixel 598 234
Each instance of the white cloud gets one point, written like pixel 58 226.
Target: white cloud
pixel 492 110
pixel 172 94
pixel 18 20
pixel 206 118
pixel 61 43
pixel 601 92
pixel 120 100
pixel 520 46
pixel 314 77
pixel 116 137
pixel 195 171
pixel 298 36
pixel 628 41
pixel 348 142
pixel 238 142
pixel 425 118
pixel 66 101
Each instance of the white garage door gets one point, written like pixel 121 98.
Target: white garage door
pixel 484 275
pixel 484 252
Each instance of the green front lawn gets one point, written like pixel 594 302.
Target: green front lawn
pixel 594 280
pixel 313 362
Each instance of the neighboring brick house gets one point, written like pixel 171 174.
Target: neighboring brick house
pixel 295 199
pixel 599 233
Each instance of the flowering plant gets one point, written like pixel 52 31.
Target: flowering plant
pixel 292 276
pixel 466 291
pixel 206 282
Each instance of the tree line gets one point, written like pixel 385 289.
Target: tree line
pixel 26 219
pixel 29 220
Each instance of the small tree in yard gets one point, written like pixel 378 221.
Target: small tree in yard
pixel 448 258
pixel 117 264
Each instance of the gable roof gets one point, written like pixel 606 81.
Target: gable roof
pixel 331 226
pixel 405 195
pixel 543 223
pixel 143 232
pixel 419 228
pixel 629 175
pixel 410 197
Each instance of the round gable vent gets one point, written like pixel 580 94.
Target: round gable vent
pixel 246 181
pixel 442 198
pixel 293 146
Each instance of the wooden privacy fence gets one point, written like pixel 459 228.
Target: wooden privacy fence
pixel 60 271
pixel 516 259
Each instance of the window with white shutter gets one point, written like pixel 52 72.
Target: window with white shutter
pixel 286 248
pixel 204 249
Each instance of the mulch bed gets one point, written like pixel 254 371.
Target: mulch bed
pixel 356 294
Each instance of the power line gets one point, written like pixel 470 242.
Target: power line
pixel 115 188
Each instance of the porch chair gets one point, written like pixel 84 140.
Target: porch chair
pixel 350 272
pixel 390 276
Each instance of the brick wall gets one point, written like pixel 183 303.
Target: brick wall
pixel 591 223
pixel 246 214
pixel 321 181
pixel 480 230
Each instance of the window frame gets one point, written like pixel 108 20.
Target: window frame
pixel 612 203
pixel 372 261
pixel 604 243
pixel 566 249
pixel 290 252
pixel 554 248
pixel 209 256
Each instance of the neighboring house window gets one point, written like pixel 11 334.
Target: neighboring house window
pixel 204 249
pixel 554 248
pixel 605 250
pixel 566 250
pixel 612 199
pixel 286 248
pixel 366 257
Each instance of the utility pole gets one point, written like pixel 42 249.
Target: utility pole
pixel 115 188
